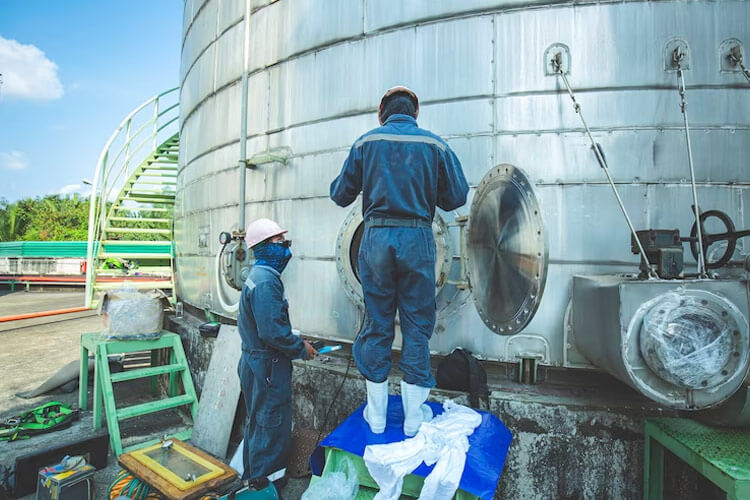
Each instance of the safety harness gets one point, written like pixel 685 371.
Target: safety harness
pixel 45 418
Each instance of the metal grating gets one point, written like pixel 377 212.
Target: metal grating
pixel 726 448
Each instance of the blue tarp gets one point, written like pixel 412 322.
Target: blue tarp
pixel 484 461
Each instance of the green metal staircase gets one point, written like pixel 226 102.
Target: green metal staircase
pixel 130 219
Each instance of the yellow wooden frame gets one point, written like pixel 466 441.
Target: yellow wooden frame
pixel 213 470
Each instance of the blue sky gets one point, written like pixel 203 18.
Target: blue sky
pixel 71 72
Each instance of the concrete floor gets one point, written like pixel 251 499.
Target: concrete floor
pixel 32 350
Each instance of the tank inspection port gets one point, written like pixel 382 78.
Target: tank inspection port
pixel 690 341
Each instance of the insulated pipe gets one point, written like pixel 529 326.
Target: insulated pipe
pixel 80 279
pixel 243 116
pixel 230 308
pixel 41 314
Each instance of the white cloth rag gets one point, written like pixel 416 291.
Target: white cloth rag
pixel 443 441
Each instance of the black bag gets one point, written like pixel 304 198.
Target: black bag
pixel 460 371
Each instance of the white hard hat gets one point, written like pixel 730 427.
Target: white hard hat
pixel 398 89
pixel 260 230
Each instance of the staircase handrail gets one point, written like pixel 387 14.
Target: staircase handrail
pixel 108 177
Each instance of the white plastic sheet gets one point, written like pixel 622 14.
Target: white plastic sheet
pixel 132 314
pixel 443 441
pixel 340 484
pixel 685 341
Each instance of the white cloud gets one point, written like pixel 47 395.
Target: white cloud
pixel 73 188
pixel 27 73
pixel 69 188
pixel 14 160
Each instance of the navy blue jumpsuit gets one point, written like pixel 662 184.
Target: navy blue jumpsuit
pixel 403 172
pixel 265 371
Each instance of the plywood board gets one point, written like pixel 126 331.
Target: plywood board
pixel 221 391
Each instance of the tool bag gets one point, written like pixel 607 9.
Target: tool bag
pixel 45 418
pixel 461 371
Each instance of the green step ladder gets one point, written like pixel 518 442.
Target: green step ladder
pixel 104 381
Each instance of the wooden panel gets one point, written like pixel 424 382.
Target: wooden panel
pixel 221 391
pixel 139 470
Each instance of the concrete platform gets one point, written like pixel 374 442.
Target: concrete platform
pixel 576 434
pixel 32 350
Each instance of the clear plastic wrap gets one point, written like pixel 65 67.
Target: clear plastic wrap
pixel 686 342
pixel 340 484
pixel 132 314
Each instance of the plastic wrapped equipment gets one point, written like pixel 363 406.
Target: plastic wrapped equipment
pixel 687 342
pixel 132 314
pixel 340 484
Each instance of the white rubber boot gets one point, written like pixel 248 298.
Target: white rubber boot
pixel 415 411
pixel 377 406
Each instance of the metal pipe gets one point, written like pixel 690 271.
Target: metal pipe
pixel 683 107
pixel 603 163
pixel 242 164
pixel 40 314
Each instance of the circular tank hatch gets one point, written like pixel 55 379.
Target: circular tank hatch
pixel 347 252
pixel 506 250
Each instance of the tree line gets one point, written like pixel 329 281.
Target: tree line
pixel 57 218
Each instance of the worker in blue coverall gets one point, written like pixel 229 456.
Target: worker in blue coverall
pixel 403 172
pixel 268 348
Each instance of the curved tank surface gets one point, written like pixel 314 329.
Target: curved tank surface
pixel 483 72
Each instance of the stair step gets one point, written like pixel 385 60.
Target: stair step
pixel 124 255
pixel 142 199
pixel 136 242
pixel 152 183
pixel 141 219
pixel 153 406
pixel 141 230
pixel 141 209
pixel 163 168
pixel 160 271
pixel 146 372
pixel 138 285
pixel 150 192
pixel 158 174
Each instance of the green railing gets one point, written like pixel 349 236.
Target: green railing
pixel 139 134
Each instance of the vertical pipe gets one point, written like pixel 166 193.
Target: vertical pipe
pixel 242 164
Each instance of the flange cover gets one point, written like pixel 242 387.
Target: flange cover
pixel 506 250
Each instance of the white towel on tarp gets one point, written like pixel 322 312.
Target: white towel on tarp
pixel 443 441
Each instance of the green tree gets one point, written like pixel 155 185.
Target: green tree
pixel 48 218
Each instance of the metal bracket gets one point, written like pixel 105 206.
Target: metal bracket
pixel 731 53
pixel 277 155
pixel 556 55
pixel 460 221
pixel 676 50
pixel 528 365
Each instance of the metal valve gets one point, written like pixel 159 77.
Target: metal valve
pixel 235 258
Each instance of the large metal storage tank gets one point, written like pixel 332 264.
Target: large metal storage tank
pixel 481 69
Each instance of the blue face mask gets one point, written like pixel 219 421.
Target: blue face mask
pixel 275 255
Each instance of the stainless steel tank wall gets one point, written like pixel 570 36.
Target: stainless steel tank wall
pixel 318 68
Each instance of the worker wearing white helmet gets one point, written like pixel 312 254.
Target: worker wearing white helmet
pixel 268 347
pixel 403 173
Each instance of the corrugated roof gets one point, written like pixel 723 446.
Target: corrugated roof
pixel 72 249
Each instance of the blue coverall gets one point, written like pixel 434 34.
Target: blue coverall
pixel 403 172
pixel 265 371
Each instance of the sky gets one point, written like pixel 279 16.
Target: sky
pixel 71 71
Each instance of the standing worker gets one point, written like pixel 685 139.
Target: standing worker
pixel 268 348
pixel 403 172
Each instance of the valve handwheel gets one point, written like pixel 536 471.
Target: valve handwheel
pixel 730 235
